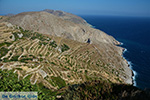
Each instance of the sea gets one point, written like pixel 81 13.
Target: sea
pixel 134 34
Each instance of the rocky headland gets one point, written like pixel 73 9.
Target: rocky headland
pixel 101 57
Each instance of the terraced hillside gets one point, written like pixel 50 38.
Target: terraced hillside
pixel 54 61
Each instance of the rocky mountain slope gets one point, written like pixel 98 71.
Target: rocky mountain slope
pixel 47 23
pixel 56 61
pixel 67 16
pixel 61 52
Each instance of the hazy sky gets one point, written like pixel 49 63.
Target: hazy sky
pixel 84 7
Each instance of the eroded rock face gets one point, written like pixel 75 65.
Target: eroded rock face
pixel 51 24
pixel 47 23
pixel 67 16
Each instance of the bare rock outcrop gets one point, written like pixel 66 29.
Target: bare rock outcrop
pixel 47 23
pixel 67 16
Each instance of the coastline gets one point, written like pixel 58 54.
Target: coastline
pixel 129 65
pixel 137 53
pixel 131 80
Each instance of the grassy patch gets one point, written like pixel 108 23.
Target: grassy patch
pixel 58 81
pixel 5 43
pixel 53 63
pixel 53 44
pixel 14 58
pixel 3 51
pixel 9 82
pixel 64 47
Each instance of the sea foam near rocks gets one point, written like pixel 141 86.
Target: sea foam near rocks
pixel 134 73
pixel 131 67
pixel 121 43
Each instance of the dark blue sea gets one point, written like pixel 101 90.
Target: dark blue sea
pixel 134 33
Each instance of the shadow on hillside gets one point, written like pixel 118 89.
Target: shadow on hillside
pixel 102 90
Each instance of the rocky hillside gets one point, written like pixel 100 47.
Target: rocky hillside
pixel 67 16
pixel 55 61
pixel 51 24
pixel 63 48
pixel 47 23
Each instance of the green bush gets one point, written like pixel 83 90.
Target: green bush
pixel 6 60
pixel 14 58
pixel 58 81
pixel 53 63
pixel 44 43
pixel 3 51
pixel 25 59
pixel 5 43
pixel 53 44
pixel 10 83
pixel 2 44
pixel 64 47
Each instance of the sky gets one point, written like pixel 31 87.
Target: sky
pixel 79 7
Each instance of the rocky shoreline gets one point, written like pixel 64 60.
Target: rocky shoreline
pixel 129 64
pixel 130 80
